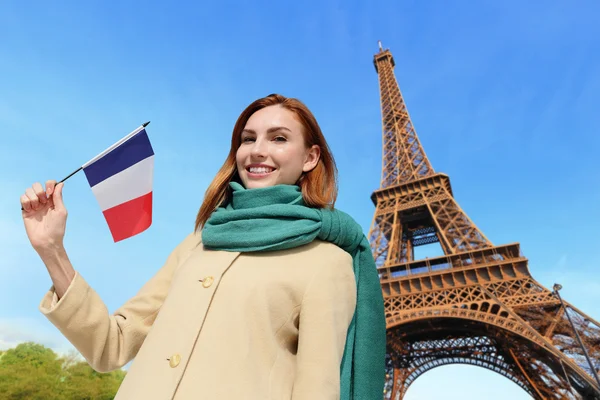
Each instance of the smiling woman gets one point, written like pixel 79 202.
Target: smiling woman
pixel 280 135
pixel 274 295
pixel 273 149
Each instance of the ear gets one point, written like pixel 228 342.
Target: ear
pixel 312 158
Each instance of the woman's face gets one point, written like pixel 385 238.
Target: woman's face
pixel 272 149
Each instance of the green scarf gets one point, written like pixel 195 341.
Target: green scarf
pixel 275 218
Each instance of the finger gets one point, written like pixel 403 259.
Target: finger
pixel 40 193
pixel 57 197
pixel 25 203
pixel 33 199
pixel 50 184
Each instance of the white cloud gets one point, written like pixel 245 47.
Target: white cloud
pixel 14 331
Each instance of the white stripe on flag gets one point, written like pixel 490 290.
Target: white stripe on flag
pixel 128 184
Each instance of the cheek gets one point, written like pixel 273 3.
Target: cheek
pixel 239 156
pixel 291 158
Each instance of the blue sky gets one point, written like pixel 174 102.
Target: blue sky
pixel 503 96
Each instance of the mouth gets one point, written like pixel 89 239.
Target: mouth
pixel 259 171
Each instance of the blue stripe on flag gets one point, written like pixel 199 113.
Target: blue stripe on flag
pixel 130 152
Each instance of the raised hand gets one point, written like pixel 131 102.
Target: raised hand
pixel 44 215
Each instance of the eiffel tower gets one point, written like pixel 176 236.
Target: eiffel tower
pixel 478 304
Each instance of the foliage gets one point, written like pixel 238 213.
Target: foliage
pixel 34 372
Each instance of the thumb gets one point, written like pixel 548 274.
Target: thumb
pixel 57 197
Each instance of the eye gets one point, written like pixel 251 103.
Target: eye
pixel 247 139
pixel 280 139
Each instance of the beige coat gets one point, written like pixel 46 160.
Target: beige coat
pixel 221 325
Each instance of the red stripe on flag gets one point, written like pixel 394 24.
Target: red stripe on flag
pixel 130 218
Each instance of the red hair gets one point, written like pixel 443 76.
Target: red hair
pixel 318 186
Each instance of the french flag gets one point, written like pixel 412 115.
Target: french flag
pixel 121 180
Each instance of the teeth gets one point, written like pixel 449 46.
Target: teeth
pixel 260 170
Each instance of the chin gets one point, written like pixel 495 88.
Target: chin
pixel 256 184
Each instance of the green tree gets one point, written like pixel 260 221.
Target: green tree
pixel 82 382
pixel 31 371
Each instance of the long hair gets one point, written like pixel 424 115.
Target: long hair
pixel 318 186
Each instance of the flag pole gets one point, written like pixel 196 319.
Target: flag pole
pixel 71 174
pixel 145 124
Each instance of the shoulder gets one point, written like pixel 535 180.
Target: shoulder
pixel 331 271
pixel 188 244
pixel 320 252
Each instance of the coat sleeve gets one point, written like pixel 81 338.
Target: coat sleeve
pixel 326 312
pixel 107 341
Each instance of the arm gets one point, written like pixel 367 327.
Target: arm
pixel 59 267
pixel 110 341
pixel 326 312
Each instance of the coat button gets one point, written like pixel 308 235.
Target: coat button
pixel 206 282
pixel 174 360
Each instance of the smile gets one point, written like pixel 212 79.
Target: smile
pixel 259 172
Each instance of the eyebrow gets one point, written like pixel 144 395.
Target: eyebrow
pixel 270 130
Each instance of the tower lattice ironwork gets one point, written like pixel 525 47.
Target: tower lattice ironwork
pixel 478 304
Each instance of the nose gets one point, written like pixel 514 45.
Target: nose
pixel 259 149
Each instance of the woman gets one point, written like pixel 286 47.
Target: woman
pixel 275 294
